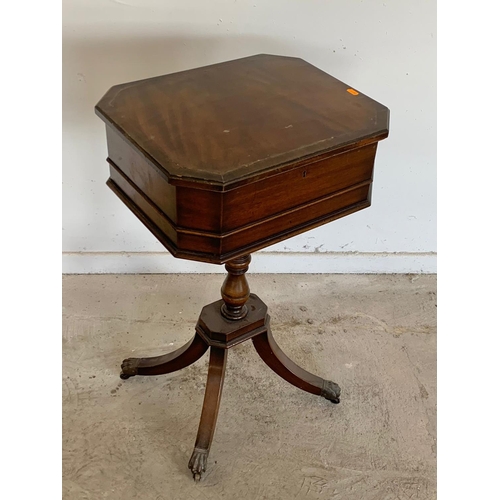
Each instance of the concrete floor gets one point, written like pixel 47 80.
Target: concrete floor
pixel 374 335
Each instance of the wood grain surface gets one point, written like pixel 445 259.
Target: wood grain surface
pixel 221 122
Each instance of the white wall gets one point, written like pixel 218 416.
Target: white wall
pixel 385 48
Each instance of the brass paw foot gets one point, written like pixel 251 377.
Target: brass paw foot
pixel 129 368
pixel 198 463
pixel 331 391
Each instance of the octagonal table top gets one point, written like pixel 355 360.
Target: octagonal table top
pixel 241 118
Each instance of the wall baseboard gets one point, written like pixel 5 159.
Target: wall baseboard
pixel 262 262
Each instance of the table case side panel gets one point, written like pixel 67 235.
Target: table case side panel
pixel 142 174
pixel 199 209
pixel 134 194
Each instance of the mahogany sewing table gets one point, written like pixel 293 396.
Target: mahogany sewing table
pixel 223 160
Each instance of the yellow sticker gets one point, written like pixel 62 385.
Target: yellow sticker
pixel 352 91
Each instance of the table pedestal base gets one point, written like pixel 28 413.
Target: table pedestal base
pixel 220 333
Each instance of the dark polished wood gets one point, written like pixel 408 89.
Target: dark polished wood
pixel 220 124
pixel 211 403
pixel 167 363
pixel 221 161
pixel 281 364
pixel 235 290
pixel 269 146
pixel 221 332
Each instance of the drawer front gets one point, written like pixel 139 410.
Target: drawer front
pixel 283 226
pixel 295 187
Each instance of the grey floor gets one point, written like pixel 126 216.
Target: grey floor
pixel 374 335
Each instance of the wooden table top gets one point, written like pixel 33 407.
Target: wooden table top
pixel 241 119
